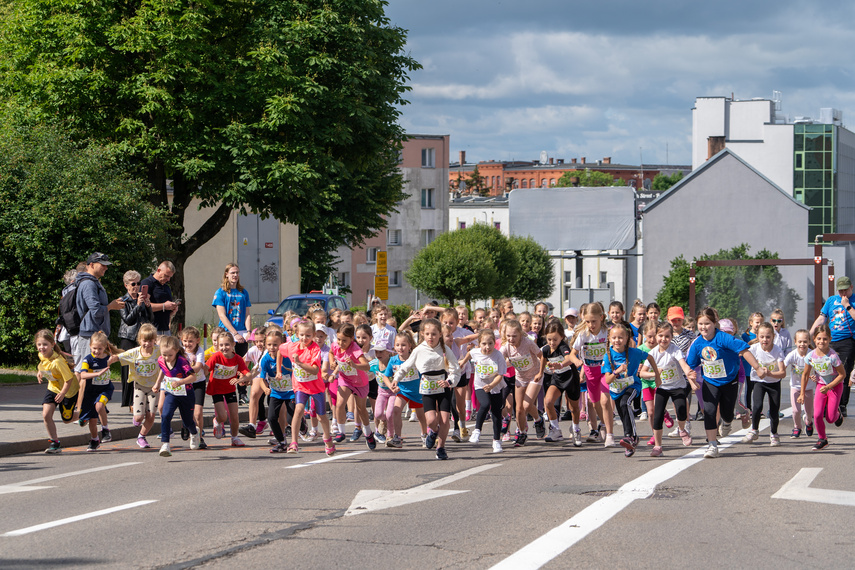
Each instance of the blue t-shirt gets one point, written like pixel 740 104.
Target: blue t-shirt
pixel 719 357
pixel 747 337
pixel 634 358
pixel 410 386
pixel 267 364
pixel 840 322
pixel 236 303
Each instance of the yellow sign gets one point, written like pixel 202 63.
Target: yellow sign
pixel 381 286
pixel 380 269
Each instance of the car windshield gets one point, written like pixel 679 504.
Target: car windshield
pixel 299 306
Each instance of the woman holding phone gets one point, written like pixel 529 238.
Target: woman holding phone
pixel 135 313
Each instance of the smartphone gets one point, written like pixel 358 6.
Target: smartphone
pixel 144 290
pixel 177 301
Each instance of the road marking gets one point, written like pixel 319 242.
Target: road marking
pixel 333 458
pixel 61 522
pixel 798 489
pixel 377 500
pixel 25 486
pixel 553 543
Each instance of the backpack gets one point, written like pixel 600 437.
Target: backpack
pixel 68 315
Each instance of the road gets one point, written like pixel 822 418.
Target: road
pixel 542 505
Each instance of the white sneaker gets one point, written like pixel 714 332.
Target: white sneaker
pixel 413 417
pixel 724 429
pixel 194 440
pixel 750 437
pixel 554 435
pixel 497 446
pixel 476 436
pixel 165 451
pixel 711 452
pixel 676 433
pixel 774 440
pixel 610 440
pixel 642 417
pixel 455 435
pixel 688 428
pixel 577 438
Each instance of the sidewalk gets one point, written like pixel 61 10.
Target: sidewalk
pixel 23 431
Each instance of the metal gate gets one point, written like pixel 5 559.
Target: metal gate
pixel 258 257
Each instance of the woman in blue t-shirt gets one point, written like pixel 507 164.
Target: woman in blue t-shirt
pixel 719 354
pixel 231 302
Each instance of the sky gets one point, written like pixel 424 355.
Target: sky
pixel 509 79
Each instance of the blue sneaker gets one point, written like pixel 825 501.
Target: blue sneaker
pixel 381 439
pixel 357 433
pixel 339 437
pixel 441 454
pixel 370 442
pixel 349 416
pixel 430 439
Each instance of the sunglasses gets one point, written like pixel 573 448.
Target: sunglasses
pixel 134 284
pixel 777 320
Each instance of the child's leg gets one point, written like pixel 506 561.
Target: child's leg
pixel 519 397
pixel 295 422
pixel 383 398
pixel 101 408
pixel 660 401
pixel 495 406
pixel 185 408
pixel 606 412
pixel 389 414
pixel 626 412
pixel 797 408
pixel 397 420
pixel 47 416
pixel 138 404
pixel 460 394
pixel 362 414
pixel 220 412
pixel 809 406
pixel 442 432
pixel 833 406
pixel 553 394
pixel 341 406
pixel 532 394
pixel 649 406
pixel 757 393
pixel 170 403
pixel 150 408
pixel 274 413
pixel 233 418
pixel 255 393
pixel 820 402
pixel 199 408
pixel 422 417
pixel 774 391
pixel 484 407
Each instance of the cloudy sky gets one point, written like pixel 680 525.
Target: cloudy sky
pixel 508 79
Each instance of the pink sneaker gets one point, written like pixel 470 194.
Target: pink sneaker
pixel 468 415
pixel 651 441
pixel 656 452
pixel 687 439
pixel 669 421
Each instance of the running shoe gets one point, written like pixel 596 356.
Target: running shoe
pixel 839 421
pixel 441 454
pixel 751 436
pixel 651 441
pixel 746 421
pixel 554 435
pixel 506 423
pixel 643 416
pixel 244 400
pixel 724 429
pixel 107 436
pixel 259 428
pixel 165 451
pixel 774 440
pixel 357 433
pixel 809 429
pixel 370 414
pixel 293 448
pixel 687 439
pixel 272 441
pixel 577 437
pixel 219 431
pixel 380 438
pixel 370 442
pixel 381 427
pixel 413 417
pixel 711 452
pixel 497 446
pixel 476 436
pixel 54 447
pixel 593 437
pixel 195 440
pixel 455 435
pixel 522 437
pixel 609 441
pixel 430 439
pixel 94 444
pixel 506 436
pixel 247 430
pixel 468 415
pixel 136 423
pixel 669 421
pixel 699 415
pixel 656 452
pixel 236 442
pixel 349 416
pixel 340 437
pixel 675 433
pixel 313 435
pixel 796 433
pixel 568 415
pixel 304 427
pixel 424 440
pixel 628 444
pixel 603 432
pixel 202 444
pixel 143 442
pixel 278 448
pixel 185 433
pixel 539 429
pixel 820 444
pixel 397 442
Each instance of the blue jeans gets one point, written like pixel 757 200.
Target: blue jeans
pixel 185 406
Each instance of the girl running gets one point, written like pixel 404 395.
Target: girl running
pixel 439 373
pixel 347 360
pixel 767 380
pixel 191 341
pixel 62 386
pixel 281 390
pixel 257 412
pixel 460 339
pixel 142 373
pixel 227 368
pixel 96 389
pixel 825 364
pixel 522 353
pixel 620 373
pixel 673 372
pixel 560 376
pixel 406 390
pixel 648 386
pixel 719 354
pixel 783 340
pixel 795 363
pixel 489 366
pixel 176 374
pixel 589 350
pixel 637 314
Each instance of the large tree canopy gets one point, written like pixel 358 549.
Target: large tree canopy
pixel 282 107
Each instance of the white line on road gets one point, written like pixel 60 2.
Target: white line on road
pixel 24 486
pixel 61 522
pixel 326 459
pixel 553 543
pixel 798 489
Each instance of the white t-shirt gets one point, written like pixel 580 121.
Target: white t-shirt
pixel 670 369
pixel 385 335
pixel 768 360
pixel 824 366
pixel 592 348
pixel 486 366
pixel 199 356
pixel 795 364
pixel 253 356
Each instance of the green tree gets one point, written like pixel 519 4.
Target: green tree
pixel 286 108
pixel 62 200
pixel 587 178
pixel 477 184
pixel 732 291
pixel 662 182
pixel 535 279
pixel 477 262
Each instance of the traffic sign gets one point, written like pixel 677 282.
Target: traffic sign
pixel 380 267
pixel 381 286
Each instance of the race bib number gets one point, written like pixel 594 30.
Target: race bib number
pixel 594 353
pixel 345 368
pixel 523 363
pixel 174 387
pixel 281 385
pixel 485 370
pixel 146 369
pixel 300 375
pixel 618 385
pixel 102 380
pixel 714 369
pixel 224 372
pixel 668 374
pixel 430 385
pixel 556 360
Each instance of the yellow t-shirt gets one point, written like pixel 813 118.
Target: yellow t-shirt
pixel 57 374
pixel 210 352
pixel 141 369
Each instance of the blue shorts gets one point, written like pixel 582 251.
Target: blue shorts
pixel 94 393
pixel 318 399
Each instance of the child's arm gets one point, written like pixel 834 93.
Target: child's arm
pixel 157 382
pixel 841 374
pixel 462 362
pixel 608 378
pixel 805 375
pixel 460 341
pixel 646 372
pixel 749 358
pixel 652 364
pixel 780 370
pixel 308 368
pixel 574 358
pixel 362 364
pixel 96 374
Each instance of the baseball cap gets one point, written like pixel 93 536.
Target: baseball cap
pixel 843 283
pixel 320 327
pixel 102 258
pixel 382 345
pixel 571 312
pixel 726 325
pixel 676 313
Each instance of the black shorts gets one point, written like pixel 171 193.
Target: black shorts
pixel 230 398
pixel 464 381
pixel 66 406
pixel 372 389
pixel 437 402
pixel 566 382
pixel 199 391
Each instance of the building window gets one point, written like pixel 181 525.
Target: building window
pixel 567 290
pixel 371 254
pixel 531 183
pixel 428 236
pixel 525 183
pixel 552 182
pixel 395 279
pixel 428 158
pixel 393 237
pixel 344 279
pixel 498 225
pixel 461 225
pixel 543 183
pixel 604 278
pixel 427 198
pixel 568 277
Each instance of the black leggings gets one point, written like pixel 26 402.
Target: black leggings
pixel 273 416
pixel 627 415
pixel 437 402
pixel 660 400
pixel 774 391
pixel 722 398
pixel 493 403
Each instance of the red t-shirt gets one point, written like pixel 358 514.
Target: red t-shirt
pixel 222 371
pixel 311 356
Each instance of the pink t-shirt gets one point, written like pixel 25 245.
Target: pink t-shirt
pixel 346 360
pixel 525 358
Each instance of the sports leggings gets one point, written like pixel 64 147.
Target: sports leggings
pixel 760 390
pixel 494 404
pixel 660 401
pixel 273 411
pixel 826 407
pixel 719 397
pixel 627 415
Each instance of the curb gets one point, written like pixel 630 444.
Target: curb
pixel 122 433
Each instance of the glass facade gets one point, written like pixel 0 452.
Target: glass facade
pixel 815 175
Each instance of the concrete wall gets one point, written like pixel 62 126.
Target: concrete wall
pixel 203 272
pixel 724 204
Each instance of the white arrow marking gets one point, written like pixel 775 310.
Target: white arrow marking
pixel 376 500
pixel 20 487
pixel 798 489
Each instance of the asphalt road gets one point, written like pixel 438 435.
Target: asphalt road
pixel 549 505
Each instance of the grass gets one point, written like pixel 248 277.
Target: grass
pixel 17 379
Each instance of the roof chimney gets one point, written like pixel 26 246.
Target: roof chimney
pixel 572 161
pixel 714 146
pixel 560 161
pixel 551 161
pixel 583 160
pixel 607 160
pixel 462 157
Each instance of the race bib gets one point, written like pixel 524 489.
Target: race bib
pixel 523 363
pixel 618 385
pixel 485 370
pixel 430 385
pixel 300 375
pixel 174 387
pixel 224 372
pixel 102 380
pixel 145 369
pixel 668 374
pixel 556 360
pixel 346 368
pixel 281 385
pixel 714 369
pixel 594 353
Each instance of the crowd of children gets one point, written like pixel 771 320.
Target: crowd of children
pixel 445 369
